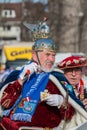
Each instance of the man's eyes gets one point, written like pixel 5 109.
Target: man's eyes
pixel 50 54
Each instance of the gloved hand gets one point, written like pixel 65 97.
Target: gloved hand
pixel 54 100
pixel 28 70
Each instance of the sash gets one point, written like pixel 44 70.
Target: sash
pixel 30 97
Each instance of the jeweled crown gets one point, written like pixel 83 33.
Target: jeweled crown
pixel 41 33
pixel 40 30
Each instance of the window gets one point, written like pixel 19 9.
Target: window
pixel 7 28
pixel 8 13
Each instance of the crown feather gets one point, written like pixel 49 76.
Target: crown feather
pixel 32 27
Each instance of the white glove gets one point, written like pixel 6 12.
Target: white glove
pixel 54 100
pixel 28 70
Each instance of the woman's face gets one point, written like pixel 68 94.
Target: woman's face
pixel 73 75
pixel 46 58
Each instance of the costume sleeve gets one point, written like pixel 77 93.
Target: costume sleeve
pixel 69 112
pixel 10 94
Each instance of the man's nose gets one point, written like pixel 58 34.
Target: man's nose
pixel 52 58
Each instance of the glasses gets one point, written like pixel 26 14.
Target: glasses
pixel 73 70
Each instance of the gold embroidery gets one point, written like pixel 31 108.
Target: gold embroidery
pixel 47 128
pixel 3 126
pixel 4 95
pixel 81 96
pixel 6 103
pixel 14 94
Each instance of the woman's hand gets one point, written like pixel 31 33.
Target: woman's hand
pixel 85 103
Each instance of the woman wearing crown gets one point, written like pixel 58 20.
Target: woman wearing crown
pixel 33 101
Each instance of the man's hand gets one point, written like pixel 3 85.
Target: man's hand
pixel 54 100
pixel 28 70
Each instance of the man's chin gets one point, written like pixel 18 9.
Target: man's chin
pixel 47 69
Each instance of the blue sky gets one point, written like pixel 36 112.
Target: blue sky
pixel 21 0
pixel 10 0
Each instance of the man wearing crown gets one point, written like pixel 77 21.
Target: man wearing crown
pixel 34 101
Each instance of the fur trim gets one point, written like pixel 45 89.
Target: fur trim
pixel 76 106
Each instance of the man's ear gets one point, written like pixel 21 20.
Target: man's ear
pixel 34 56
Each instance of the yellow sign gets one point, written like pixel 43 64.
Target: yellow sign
pixel 13 53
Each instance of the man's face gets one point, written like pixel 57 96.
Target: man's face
pixel 47 59
pixel 73 75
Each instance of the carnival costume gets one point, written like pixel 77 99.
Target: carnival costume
pixel 22 106
pixel 79 89
pixel 75 62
